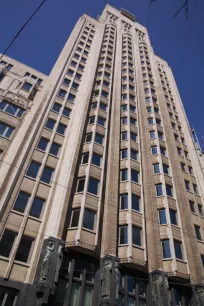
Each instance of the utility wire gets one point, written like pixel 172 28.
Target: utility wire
pixel 21 29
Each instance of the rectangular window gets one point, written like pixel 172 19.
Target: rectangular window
pixel 50 124
pixel 62 93
pixel 156 168
pixel 166 249
pixel 160 135
pixel 96 159
pixel 91 120
pixel 56 107
pixel 6 130
pixel 163 151
pixel 42 144
pixel 99 138
pixel 47 175
pixel 133 136
pixel 152 135
pixel 132 108
pixel 66 112
pixel 85 158
pixel 169 190
pixel 173 216
pixel 33 169
pixel 133 121
pixel 134 154
pixel 103 106
pixel 55 149
pixel 197 231
pixel 192 207
pixel 7 242
pixel 154 150
pixel 202 259
pixel 80 184
pixel 27 86
pixel 71 97
pixel 200 209
pixel 159 190
pixel 124 136
pixel 21 201
pixel 123 231
pixel 134 175
pixel 124 201
pixel 162 216
pixel 11 109
pixel 166 169
pixel 24 248
pixel 124 107
pixel 61 128
pixel 124 120
pixel 101 121
pixel 93 185
pixel 88 137
pixel 66 82
pixel 36 207
pixel 150 121
pixel 195 188
pixel 75 217
pixel 149 109
pixel 123 175
pixel 124 154
pixel 89 219
pixel 135 202
pixel 179 151
pixel 178 249
pixel 183 167
pixel 187 184
pixel 136 235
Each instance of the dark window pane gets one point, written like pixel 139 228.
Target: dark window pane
pixel 169 191
pixel 89 218
pixel 123 235
pixel 135 202
pixel 197 231
pixel 192 206
pixel 36 207
pixel 93 185
pixel 134 176
pixel 156 168
pixel 56 107
pixel 50 124
pixel 166 249
pixel 99 138
pixel 61 128
pixel 42 144
pixel 162 216
pixel 178 249
pixel 80 185
pixel 124 175
pixel 136 235
pixel 66 111
pixel 6 243
pixel 47 175
pixel 96 159
pixel 173 216
pixel 124 154
pixel 85 158
pixel 11 109
pixel 33 169
pixel 24 249
pixel 27 86
pixel 159 190
pixel 55 147
pixel 134 154
pixel 123 201
pixel 21 201
pixel 75 217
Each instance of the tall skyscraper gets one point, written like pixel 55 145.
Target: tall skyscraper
pixel 101 182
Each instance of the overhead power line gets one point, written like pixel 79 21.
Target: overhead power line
pixel 21 29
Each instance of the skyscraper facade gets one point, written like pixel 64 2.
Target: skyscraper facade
pixel 101 183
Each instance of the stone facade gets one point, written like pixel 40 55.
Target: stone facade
pixel 101 186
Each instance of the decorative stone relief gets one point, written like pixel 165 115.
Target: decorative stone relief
pixel 200 295
pixel 58 264
pixel 46 259
pixel 157 289
pixel 106 279
pixel 117 276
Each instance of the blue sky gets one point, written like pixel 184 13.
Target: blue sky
pixel 42 40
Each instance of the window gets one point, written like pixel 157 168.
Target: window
pixel 162 216
pixel 91 120
pixel 42 144
pixel 149 109
pixel 133 121
pixel 156 168
pixel 96 159
pixel 75 217
pixel 6 242
pixel 135 202
pixel 152 134
pixel 78 76
pixel 147 99
pixel 154 150
pixel 85 158
pixel 88 137
pixel 187 184
pixel 195 188
pixel 61 128
pixel 24 248
pixel 6 130
pixel 36 207
pixel 179 151
pixel 160 135
pixel 190 169
pixel 71 97
pixel 173 216
pixel 123 153
pixel 50 124
pixel 159 190
pixel 55 149
pixel 101 121
pixel 132 108
pixel 124 136
pixel 134 175
pixel 133 136
pixel 21 201
pixel 99 138
pixel 104 94
pixel 186 154
pixel 124 175
pixel 47 175
pixel 178 249
pixel 197 231
pixel 124 107
pixel 27 86
pixel 183 167
pixel 169 190
pixel 80 184
pixel 123 201
pixel 89 219
pixel 158 121
pixel 136 235
pixel 166 249
pixel 166 169
pixel 192 207
pixel 62 93
pixel 93 185
pixel 94 105
pixel 103 106
pixel 200 209
pixel 11 109
pixel 134 154
pixel 66 112
pixel 33 169
pixel 156 110
pixel 124 120
pixel 163 151
pixel 56 107
pixel 123 230
pixel 150 121
pixel 66 82
pixel 176 137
